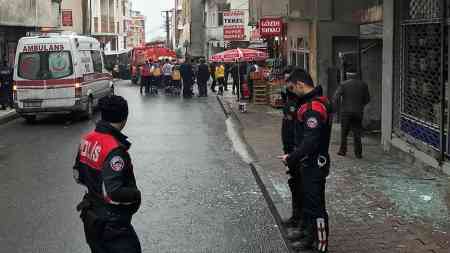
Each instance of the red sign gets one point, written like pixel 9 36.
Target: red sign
pixel 67 17
pixel 233 25
pixel 234 33
pixel 271 27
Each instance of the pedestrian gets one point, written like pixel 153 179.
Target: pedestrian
pixel 220 77
pixel 103 165
pixel 203 76
pixel 157 74
pixel 235 75
pixel 243 77
pixel 352 96
pixel 145 73
pixel 227 75
pixel 152 81
pixel 312 158
pixel 253 68
pixel 212 69
pixel 5 85
pixel 167 72
pixel 176 79
pixel 187 74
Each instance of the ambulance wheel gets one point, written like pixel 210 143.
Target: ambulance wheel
pixel 90 109
pixel 30 119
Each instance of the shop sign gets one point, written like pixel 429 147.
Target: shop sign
pixel 67 17
pixel 233 25
pixel 271 27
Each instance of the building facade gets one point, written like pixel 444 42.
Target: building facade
pixel 136 31
pixel 21 16
pixel 213 22
pixel 107 22
pixel 193 36
pixel 415 80
pixel 73 16
pixel 176 25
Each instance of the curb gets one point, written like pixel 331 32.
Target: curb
pixel 9 117
pixel 257 172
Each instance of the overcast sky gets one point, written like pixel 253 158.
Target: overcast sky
pixel 152 10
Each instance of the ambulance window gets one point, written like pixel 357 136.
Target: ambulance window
pixel 30 65
pixel 97 61
pixel 59 64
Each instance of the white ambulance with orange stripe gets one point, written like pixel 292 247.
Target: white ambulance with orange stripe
pixel 59 73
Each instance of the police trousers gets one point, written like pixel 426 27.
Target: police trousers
pixel 107 232
pixel 314 209
pixel 295 183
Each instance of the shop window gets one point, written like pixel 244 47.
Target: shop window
pixel 220 19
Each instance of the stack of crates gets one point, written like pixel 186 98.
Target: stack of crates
pixel 259 88
pixel 274 93
pixel 260 92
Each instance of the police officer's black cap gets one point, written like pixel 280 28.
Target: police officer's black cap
pixel 300 75
pixel 114 109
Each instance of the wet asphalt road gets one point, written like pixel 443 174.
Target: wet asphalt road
pixel 198 195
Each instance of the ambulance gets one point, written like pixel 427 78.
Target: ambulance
pixel 59 73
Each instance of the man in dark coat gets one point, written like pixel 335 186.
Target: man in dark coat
pixel 212 68
pixel 203 75
pixel 187 74
pixel 5 85
pixel 352 96
pixel 235 75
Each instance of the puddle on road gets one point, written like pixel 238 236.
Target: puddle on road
pixel 238 144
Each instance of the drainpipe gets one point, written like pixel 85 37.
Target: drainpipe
pixel 443 141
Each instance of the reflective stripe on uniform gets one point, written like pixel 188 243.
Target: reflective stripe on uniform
pixel 109 200
pixel 322 235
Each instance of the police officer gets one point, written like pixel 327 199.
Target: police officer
pixel 5 85
pixel 290 139
pixel 104 166
pixel 312 158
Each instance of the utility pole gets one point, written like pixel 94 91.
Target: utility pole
pixel 167 25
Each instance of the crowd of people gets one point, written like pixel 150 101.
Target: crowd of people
pixel 178 78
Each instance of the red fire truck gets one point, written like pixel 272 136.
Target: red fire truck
pixel 150 51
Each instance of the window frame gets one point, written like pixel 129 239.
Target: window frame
pixel 95 64
pixel 44 62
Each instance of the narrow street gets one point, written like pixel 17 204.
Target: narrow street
pixel 198 195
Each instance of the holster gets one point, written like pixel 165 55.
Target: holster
pixel 94 222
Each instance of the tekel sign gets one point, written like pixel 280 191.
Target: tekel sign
pixel 271 27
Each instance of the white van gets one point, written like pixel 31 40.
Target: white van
pixel 57 73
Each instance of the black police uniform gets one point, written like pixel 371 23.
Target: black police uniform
pixel 290 140
pixel 104 166
pixel 312 155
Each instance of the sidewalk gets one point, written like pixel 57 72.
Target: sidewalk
pixel 7 115
pixel 377 204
